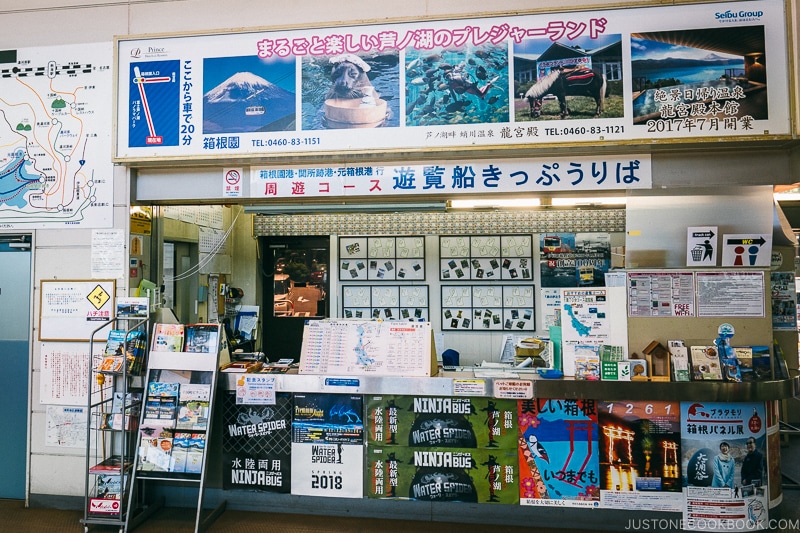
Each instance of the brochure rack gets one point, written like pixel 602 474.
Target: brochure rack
pixel 176 418
pixel 114 400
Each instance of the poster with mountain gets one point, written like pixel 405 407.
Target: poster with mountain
pixel 247 94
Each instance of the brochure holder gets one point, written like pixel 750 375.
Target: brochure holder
pixel 177 416
pixel 114 401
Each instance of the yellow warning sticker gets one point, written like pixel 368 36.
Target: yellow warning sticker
pixel 98 297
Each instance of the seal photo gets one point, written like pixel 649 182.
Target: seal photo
pixel 352 101
pixel 349 77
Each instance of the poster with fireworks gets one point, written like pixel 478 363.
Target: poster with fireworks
pixel 448 422
pixel 327 445
pixel 640 455
pixel 558 460
pixel 256 444
pixel 442 474
pixel 725 471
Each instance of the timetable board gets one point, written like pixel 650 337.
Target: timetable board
pixel 364 348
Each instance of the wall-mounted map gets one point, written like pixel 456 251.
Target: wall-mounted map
pixel 55 133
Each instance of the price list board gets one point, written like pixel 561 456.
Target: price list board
pixel 360 347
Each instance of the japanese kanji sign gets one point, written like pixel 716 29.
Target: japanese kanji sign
pixel 653 73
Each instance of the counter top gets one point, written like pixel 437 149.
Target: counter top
pixel 443 385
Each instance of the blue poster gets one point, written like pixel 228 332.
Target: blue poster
pixel 154 103
pixel 558 453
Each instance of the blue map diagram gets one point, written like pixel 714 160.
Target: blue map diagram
pixel 55 137
pixel 582 329
pixel 365 332
pixel 154 103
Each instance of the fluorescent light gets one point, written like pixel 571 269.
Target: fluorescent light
pixel 496 203
pixel 593 200
pixel 289 209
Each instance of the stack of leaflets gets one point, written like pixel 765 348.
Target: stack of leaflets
pixel 158 426
pixel 706 365
pixel 120 349
pixel 193 405
pixel 125 409
pixel 173 431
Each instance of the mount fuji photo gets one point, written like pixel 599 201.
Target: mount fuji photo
pixel 246 101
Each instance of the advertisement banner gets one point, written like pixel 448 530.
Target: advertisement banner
pixel 256 444
pixel 724 449
pixel 442 474
pixel 558 454
pixel 327 445
pixel 640 458
pixel 452 422
pixel 656 73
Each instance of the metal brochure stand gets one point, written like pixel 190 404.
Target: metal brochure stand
pixel 111 421
pixel 185 370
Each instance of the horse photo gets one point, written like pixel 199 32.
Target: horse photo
pixel 562 82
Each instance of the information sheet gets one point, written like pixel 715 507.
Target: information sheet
pixel 660 294
pixel 366 348
pixel 730 294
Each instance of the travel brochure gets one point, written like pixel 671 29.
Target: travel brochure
pixel 193 338
pixel 173 430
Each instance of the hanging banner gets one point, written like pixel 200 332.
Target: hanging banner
pixel 661 72
pixel 598 173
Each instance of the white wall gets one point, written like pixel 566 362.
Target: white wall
pixel 66 253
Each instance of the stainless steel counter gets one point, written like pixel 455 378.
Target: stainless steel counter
pixel 443 385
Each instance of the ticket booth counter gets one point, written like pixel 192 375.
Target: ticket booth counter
pixel 626 449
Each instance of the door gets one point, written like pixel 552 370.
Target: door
pixel 181 280
pixel 295 280
pixel 15 310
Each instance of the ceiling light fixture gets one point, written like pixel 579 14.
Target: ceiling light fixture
pixel 489 203
pixel 291 209
pixel 588 201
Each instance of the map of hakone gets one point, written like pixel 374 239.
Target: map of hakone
pixel 582 329
pixel 154 104
pixel 55 137
pixel 363 346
